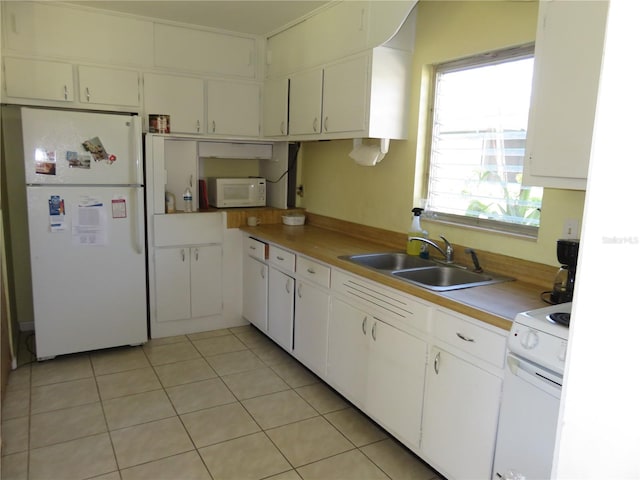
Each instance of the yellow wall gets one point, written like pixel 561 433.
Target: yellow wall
pixel 382 196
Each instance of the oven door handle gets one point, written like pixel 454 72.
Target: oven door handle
pixel 536 376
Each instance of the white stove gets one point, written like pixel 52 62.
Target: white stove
pixel 537 348
pixel 540 336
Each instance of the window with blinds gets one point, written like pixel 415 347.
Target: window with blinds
pixel 480 112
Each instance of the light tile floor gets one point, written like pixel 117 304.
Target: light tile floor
pixel 225 404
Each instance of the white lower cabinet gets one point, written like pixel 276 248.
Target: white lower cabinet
pixel 311 314
pixel 254 299
pixel 378 367
pixel 462 397
pixel 188 282
pixel 310 326
pixel 185 273
pixel 460 416
pixel 280 311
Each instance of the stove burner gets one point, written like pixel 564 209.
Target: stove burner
pixel 560 318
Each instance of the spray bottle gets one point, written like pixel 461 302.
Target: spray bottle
pixel 414 247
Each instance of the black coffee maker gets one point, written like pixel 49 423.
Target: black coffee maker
pixel 567 252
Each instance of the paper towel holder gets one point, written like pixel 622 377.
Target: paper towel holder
pixel 369 155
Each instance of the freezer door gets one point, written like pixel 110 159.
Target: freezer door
pixel 81 148
pixel 88 268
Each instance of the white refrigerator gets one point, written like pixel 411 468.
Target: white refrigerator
pixel 85 199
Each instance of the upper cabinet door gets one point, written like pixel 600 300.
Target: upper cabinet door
pixel 233 108
pixel 108 86
pixel 180 97
pixel 305 103
pixel 566 75
pixel 212 53
pixel 275 106
pixel 345 94
pixel 37 79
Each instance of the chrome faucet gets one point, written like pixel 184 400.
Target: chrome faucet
pixel 447 253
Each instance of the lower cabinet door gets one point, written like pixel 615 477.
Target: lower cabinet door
pixel 206 280
pixel 460 417
pixel 395 382
pixel 348 350
pixel 254 298
pixel 280 317
pixel 310 328
pixel 173 295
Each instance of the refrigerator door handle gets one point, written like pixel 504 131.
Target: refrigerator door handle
pixel 137 143
pixel 137 226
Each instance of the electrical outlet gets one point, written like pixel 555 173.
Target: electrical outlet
pixel 300 191
pixel 570 229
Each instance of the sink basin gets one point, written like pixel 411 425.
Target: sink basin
pixel 447 278
pixel 389 261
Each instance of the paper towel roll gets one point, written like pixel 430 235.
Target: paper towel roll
pixel 366 155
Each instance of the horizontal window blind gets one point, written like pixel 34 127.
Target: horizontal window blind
pixel 478 143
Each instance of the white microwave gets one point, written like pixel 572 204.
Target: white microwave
pixel 237 192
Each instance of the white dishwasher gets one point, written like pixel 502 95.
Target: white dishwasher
pixel 536 352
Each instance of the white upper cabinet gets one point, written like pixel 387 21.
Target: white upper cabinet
pixel 342 29
pixel 108 86
pixel 233 108
pixel 180 97
pixel 275 108
pixel 203 51
pixel 568 56
pixel 305 103
pixel 362 96
pixel 38 79
pixel 345 92
pixel 52 29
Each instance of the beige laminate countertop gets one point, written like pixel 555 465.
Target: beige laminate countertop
pixel 495 304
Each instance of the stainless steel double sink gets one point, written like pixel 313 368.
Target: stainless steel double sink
pixel 425 273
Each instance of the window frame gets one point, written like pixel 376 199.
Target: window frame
pixel 493 57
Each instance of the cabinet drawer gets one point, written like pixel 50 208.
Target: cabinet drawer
pixel 316 272
pixel 470 337
pixel 282 258
pixel 255 248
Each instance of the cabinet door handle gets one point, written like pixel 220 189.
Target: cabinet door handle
pixel 66 92
pixel 373 331
pixel 198 126
pixel 326 123
pixel 300 291
pixel 87 94
pixel 191 180
pixel 196 253
pixel 262 272
pixel 287 286
pixel 213 126
pixel 464 337
pixel 315 125
pixel 436 364
pixel 364 325
pixel 183 254
pixel 282 127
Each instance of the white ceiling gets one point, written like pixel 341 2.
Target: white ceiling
pixel 246 16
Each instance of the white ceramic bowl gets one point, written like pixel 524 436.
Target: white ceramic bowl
pixel 293 219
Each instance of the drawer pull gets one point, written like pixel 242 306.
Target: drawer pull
pixel 311 271
pixel 252 247
pixel 280 258
pixel 436 364
pixel 464 337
